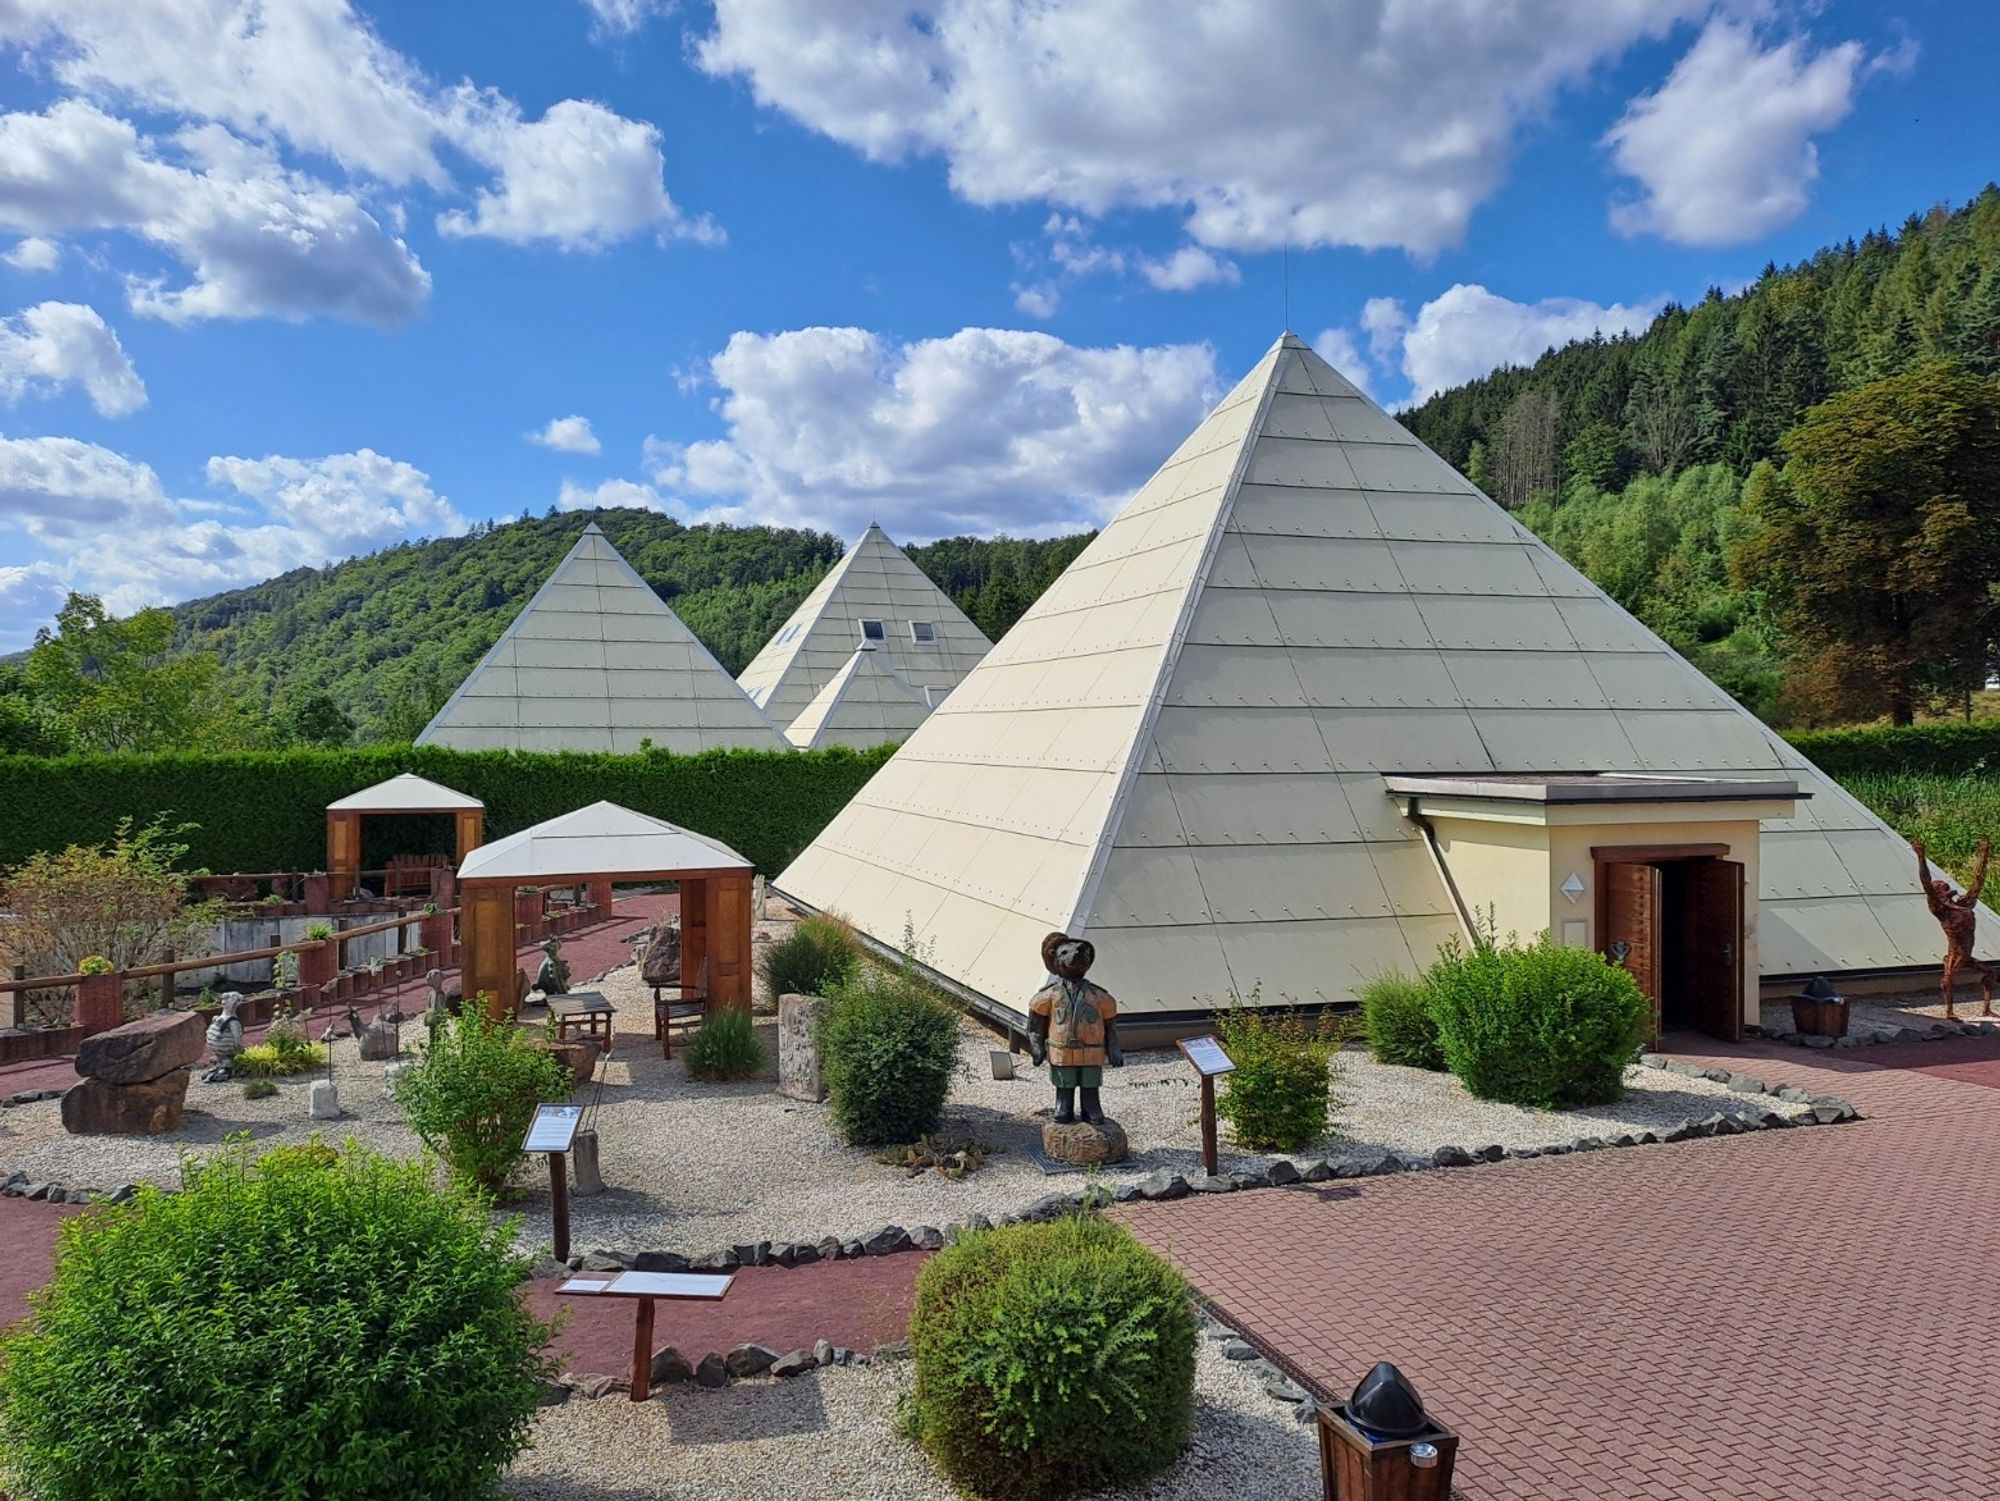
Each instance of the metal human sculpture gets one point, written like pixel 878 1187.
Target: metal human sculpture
pixel 1073 1026
pixel 1957 915
pixel 553 977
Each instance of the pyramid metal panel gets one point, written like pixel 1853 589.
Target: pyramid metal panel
pixel 866 704
pixel 1179 748
pixel 596 661
pixel 875 580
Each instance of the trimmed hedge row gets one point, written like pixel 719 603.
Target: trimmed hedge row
pixel 1948 748
pixel 266 810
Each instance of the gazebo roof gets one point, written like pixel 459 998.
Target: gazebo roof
pixel 600 840
pixel 408 793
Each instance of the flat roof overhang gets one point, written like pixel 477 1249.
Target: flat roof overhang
pixel 1568 788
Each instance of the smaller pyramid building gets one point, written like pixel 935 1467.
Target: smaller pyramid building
pixel 874 596
pixel 597 662
pixel 866 704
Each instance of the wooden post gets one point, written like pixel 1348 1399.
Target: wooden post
pixel 559 1199
pixel 1208 1159
pixel 694 928
pixel 17 1001
pixel 471 831
pixel 642 1352
pixel 729 965
pixel 343 854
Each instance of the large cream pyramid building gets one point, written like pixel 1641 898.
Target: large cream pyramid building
pixel 866 704
pixel 1309 706
pixel 874 596
pixel 597 662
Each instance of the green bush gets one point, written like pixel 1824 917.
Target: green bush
pixel 266 810
pixel 1942 748
pixel 474 1091
pixel 1544 1025
pixel 265 1060
pixel 816 955
pixel 888 1048
pixel 286 1328
pixel 1051 1360
pixel 1278 1097
pixel 725 1046
pixel 259 1089
pixel 1396 1019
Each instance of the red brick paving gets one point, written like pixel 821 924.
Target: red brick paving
pixel 1803 1315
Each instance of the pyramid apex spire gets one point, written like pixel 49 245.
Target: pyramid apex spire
pixel 592 529
pixel 1290 340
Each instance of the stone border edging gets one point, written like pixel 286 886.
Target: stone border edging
pixel 716 1369
pixel 1939 1030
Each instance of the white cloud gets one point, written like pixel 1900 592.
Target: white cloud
pixel 1038 299
pixel 57 344
pixel 1467 331
pixel 1370 123
pixel 313 77
pixel 350 501
pixel 1384 321
pixel 1337 347
pixel 63 488
pixel 34 254
pixel 581 176
pixel 1190 267
pixel 568 435
pixel 29 597
pixel 1723 150
pixel 609 495
pixel 984 430
pixel 620 18
pixel 257 239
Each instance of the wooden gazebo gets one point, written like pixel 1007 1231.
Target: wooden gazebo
pixel 408 793
pixel 600 844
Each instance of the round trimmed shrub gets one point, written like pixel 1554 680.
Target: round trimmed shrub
pixel 819 953
pixel 1396 1019
pixel 888 1048
pixel 1051 1360
pixel 311 1325
pixel 1277 1098
pixel 1546 1025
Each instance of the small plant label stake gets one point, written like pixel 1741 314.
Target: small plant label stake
pixel 1205 1053
pixel 553 1130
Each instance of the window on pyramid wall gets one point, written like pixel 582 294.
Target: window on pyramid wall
pixel 874 630
pixel 922 632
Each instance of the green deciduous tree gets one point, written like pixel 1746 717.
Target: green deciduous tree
pixel 1878 545
pixel 115 685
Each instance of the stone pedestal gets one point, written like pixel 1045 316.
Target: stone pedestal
pixel 143 1109
pixel 583 1163
pixel 1082 1143
pixel 323 1102
pixel 798 1048
pixel 100 1002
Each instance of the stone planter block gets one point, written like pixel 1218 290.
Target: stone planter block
pixel 319 893
pixel 99 1107
pixel 317 961
pixel 148 1048
pixel 100 1002
pixel 799 1075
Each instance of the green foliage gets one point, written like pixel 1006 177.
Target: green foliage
pixel 888 1049
pixel 1944 749
pixel 319 932
pixel 995 579
pixel 1877 546
pixel 259 1089
pixel 265 810
pixel 1051 1360
pixel 1277 1099
pixel 94 964
pixel 267 1060
pixel 1397 1021
pixel 725 1046
pixel 312 716
pixel 819 952
pixel 1541 1025
pixel 1950 814
pixel 291 1328
pixel 474 1092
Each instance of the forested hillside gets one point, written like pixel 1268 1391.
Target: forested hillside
pixel 1722 382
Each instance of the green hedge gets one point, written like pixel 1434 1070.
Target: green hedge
pixel 1946 748
pixel 266 810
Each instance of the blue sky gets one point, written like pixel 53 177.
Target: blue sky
pixel 284 282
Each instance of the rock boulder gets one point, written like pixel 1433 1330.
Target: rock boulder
pixel 150 1048
pixel 1082 1143
pixel 98 1107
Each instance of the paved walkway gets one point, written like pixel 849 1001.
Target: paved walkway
pixel 1803 1315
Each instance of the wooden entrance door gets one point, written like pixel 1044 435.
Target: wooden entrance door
pixel 1630 926
pixel 1715 946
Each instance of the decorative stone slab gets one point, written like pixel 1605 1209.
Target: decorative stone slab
pixel 799 1076
pixel 149 1048
pixel 98 1107
pixel 1083 1143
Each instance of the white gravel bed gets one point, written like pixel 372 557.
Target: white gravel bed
pixel 695 1167
pixel 836 1432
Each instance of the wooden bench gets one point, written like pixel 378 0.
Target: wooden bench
pixel 687 1008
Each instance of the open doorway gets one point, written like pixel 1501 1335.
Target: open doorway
pixel 1672 915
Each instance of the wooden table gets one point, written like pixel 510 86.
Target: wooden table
pixel 583 1013
pixel 647 1288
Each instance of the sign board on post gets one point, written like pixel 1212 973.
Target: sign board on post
pixel 1205 1053
pixel 553 1130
